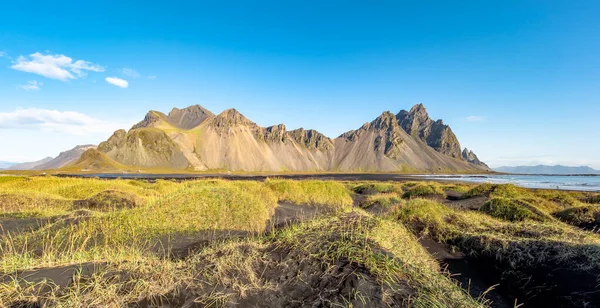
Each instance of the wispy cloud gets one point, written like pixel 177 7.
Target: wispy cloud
pixel 58 67
pixel 151 77
pixel 32 86
pixel 121 83
pixel 69 122
pixel 475 119
pixel 131 72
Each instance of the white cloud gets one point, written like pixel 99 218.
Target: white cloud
pixel 131 73
pixel 475 119
pixel 151 77
pixel 121 83
pixel 69 122
pixel 32 86
pixel 58 67
pixel 2 54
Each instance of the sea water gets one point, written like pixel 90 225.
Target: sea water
pixel 564 182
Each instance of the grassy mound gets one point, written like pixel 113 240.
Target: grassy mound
pixel 110 200
pixel 374 188
pixel 382 201
pixel 586 216
pixel 423 189
pixel 594 199
pixel 524 254
pixel 32 204
pixel 357 261
pixel 317 193
pixel 513 210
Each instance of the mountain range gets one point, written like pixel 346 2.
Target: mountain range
pixel 6 164
pixel 195 139
pixel 63 159
pixel 545 169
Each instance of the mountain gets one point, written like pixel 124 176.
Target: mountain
pixel 545 169
pixel 92 159
pixel 64 158
pixel 6 164
pixel 470 157
pixel 194 138
pixel 382 145
pixel 30 165
pixel 436 134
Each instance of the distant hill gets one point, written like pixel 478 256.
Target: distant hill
pixel 63 159
pixel 30 165
pixel 6 164
pixel 194 138
pixel 545 169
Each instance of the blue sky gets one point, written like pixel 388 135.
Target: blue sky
pixel 518 81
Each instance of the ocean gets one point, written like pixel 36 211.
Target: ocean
pixel 564 182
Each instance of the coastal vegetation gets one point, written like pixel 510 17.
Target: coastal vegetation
pixel 109 243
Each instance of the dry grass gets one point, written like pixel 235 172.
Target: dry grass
pixel 521 244
pixel 423 189
pixel 385 200
pixel 317 193
pixel 513 210
pixel 125 226
pixel 585 216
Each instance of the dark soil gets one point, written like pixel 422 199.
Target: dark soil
pixel 14 225
pixel 454 200
pixel 476 280
pixel 550 285
pixel 288 213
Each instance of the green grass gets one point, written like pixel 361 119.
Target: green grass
pixel 374 187
pixel 387 249
pixel 128 227
pixel 123 226
pixel 594 199
pixel 317 193
pixel 513 210
pixel 423 189
pixel 583 216
pixel 525 244
pixel 385 200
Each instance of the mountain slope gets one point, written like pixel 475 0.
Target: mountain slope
pixel 30 165
pixel 545 169
pixel 470 157
pixel 65 158
pixel 92 159
pixel 193 138
pixel 6 164
pixel 436 134
pixel 383 145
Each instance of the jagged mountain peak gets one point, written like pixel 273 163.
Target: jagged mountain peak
pixel 384 121
pixel 231 141
pixel 152 118
pixel 311 139
pixel 230 118
pixel 189 117
pixel 470 157
pixel 186 118
pixel 436 134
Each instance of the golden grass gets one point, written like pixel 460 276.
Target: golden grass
pixel 527 243
pixel 311 192
pixel 385 200
pixel 127 226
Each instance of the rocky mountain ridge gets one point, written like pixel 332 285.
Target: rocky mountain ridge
pixel 194 138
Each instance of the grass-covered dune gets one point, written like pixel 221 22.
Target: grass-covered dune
pixel 73 242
